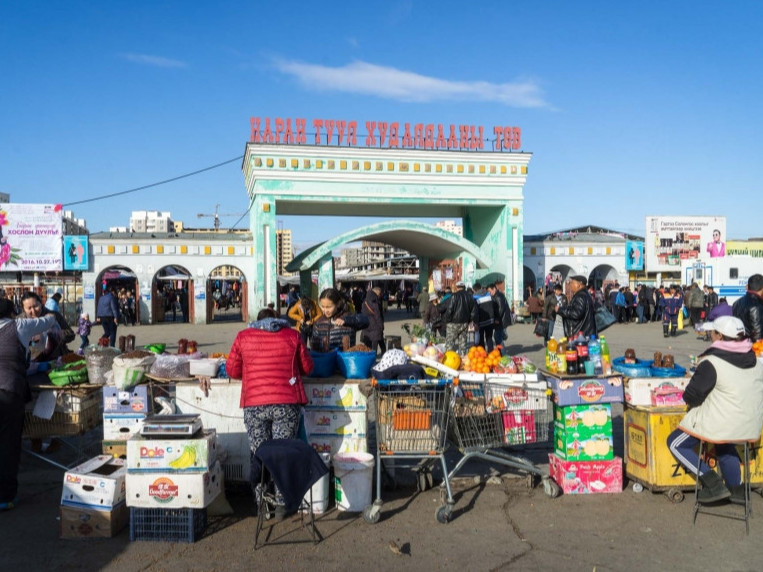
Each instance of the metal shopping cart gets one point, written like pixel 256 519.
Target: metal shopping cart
pixel 490 416
pixel 412 423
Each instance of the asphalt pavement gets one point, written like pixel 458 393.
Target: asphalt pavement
pixel 498 522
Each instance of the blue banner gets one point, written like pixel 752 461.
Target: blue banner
pixel 634 255
pixel 76 253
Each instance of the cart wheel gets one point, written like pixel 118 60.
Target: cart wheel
pixel 638 487
pixel 532 480
pixel 550 487
pixel 372 513
pixel 430 480
pixel 675 496
pixel 443 514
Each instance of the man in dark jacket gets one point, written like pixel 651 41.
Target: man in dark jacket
pixel 107 312
pixel 749 308
pixel 695 302
pixel 578 315
pixel 373 335
pixel 486 310
pixel 461 310
pixel 503 314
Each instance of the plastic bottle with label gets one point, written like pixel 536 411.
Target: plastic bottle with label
pixel 551 346
pixel 606 361
pixel 594 354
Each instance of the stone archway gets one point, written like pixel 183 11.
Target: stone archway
pixel 119 278
pixel 226 295
pixel 603 275
pixel 171 295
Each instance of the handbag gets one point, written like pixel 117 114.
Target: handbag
pixel 541 327
pixel 604 318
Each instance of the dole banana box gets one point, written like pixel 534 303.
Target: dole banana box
pixel 585 445
pixel 329 422
pixel 98 483
pixel 173 489
pixel 334 444
pixel 335 396
pixel 587 420
pixel 161 455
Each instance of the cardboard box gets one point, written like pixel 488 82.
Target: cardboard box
pixel 638 390
pixel 586 419
pixel 327 422
pixel 586 477
pixel 519 427
pixel 334 396
pixel 115 448
pixel 97 483
pixel 581 390
pixel 174 489
pixel 179 454
pixel 80 522
pixel 121 427
pixel 335 444
pixel 128 401
pixel 572 445
pixel 667 395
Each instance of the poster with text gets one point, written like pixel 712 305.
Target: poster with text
pixel 76 253
pixel 634 255
pixel 30 237
pixel 671 240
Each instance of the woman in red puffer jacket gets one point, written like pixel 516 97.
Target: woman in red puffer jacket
pixel 270 359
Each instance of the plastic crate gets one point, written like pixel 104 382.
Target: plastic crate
pixel 167 524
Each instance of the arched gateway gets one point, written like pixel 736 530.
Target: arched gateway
pixel 286 176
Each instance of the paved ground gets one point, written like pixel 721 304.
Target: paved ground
pixel 498 523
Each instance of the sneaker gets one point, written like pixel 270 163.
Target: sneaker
pixel 10 505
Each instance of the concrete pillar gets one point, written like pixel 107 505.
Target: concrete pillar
pixel 326 273
pixel 263 226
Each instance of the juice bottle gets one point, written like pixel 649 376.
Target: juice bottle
pixel 606 362
pixel 550 352
pixel 561 360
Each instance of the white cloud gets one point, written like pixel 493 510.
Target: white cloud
pixel 156 61
pixel 392 83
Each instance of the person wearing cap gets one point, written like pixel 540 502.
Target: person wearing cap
pixel 433 316
pixel 15 335
pixel 52 303
pixel 725 399
pixel 749 308
pixel 578 315
pixel 461 311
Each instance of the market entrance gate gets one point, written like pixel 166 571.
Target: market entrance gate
pixel 482 189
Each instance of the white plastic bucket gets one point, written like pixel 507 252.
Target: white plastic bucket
pixel 320 491
pixel 353 479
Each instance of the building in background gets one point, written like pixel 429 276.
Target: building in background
pixel 74 226
pixel 151 221
pixel 284 251
pixel 5 198
pixel 451 226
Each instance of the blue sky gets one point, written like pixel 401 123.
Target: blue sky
pixel 629 109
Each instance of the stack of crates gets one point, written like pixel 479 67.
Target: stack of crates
pixel 93 499
pixel 169 485
pixel 335 417
pixel 123 413
pixel 584 461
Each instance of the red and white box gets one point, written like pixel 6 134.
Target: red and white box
pixel 519 427
pixel 174 489
pixel 586 477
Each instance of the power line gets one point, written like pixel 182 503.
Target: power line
pixel 103 197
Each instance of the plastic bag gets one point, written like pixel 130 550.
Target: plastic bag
pixel 99 361
pixel 170 366
pixel 129 372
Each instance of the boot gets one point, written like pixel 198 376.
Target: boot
pixel 674 331
pixel 665 330
pixel 713 488
pixel 737 495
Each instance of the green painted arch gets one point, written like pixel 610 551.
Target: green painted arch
pixel 418 238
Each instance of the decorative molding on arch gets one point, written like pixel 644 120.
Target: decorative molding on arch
pixel 418 238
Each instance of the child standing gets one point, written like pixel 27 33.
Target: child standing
pixel 83 329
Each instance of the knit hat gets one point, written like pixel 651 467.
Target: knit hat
pixel 390 358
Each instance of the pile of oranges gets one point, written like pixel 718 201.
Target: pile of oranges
pixel 480 361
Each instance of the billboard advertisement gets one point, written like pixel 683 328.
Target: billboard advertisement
pixel 30 237
pixel 671 240
pixel 634 255
pixel 76 252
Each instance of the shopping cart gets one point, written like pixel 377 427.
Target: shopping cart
pixel 488 417
pixel 412 423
